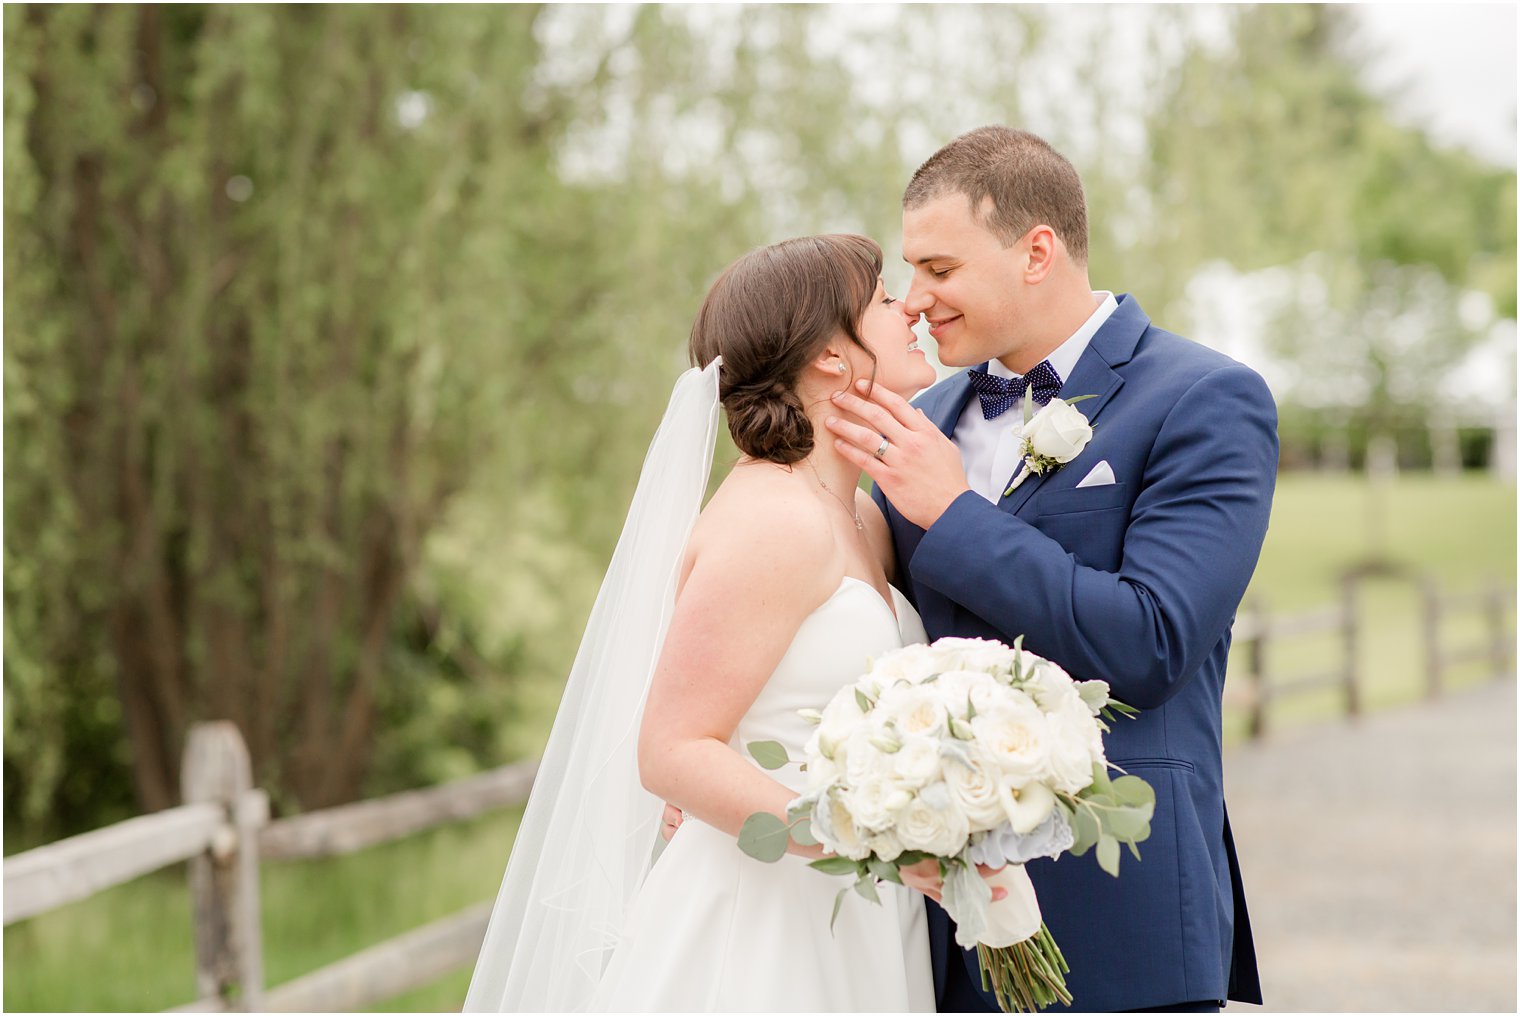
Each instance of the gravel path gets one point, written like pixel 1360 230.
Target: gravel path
pixel 1379 858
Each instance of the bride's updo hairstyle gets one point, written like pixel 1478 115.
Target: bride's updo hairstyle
pixel 769 315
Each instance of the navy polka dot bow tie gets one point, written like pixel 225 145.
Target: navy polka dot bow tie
pixel 998 394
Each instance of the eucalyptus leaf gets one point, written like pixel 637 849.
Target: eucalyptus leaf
pixel 770 754
pixel 1100 781
pixel 1134 791
pixel 838 902
pixel 802 832
pixel 763 837
pixel 1127 824
pixel 1085 830
pixel 837 866
pixel 884 870
pixel 1108 855
pixel 866 887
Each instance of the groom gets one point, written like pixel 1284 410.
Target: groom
pixel 1125 563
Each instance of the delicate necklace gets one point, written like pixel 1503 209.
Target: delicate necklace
pixel 854 512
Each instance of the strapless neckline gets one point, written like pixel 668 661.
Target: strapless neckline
pixel 875 594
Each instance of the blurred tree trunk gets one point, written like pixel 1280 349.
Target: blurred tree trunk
pixel 240 380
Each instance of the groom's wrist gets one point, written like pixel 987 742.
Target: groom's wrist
pixel 958 541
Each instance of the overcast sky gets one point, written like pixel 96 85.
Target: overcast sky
pixel 1453 68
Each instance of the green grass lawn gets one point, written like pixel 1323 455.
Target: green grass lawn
pixel 130 948
pixel 1460 530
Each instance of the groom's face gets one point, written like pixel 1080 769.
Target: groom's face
pixel 966 284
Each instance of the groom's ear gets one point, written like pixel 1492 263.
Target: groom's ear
pixel 1044 246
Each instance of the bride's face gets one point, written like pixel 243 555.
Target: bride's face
pixel 900 365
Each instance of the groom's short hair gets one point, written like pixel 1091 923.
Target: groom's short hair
pixel 1029 183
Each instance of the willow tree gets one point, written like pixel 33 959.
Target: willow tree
pixel 260 288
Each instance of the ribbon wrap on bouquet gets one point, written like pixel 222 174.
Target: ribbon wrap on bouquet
pixel 967 898
pixel 1014 918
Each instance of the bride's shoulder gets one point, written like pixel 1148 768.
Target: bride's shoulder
pixel 758 506
pixel 762 522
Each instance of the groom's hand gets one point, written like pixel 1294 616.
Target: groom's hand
pixel 670 821
pixel 919 469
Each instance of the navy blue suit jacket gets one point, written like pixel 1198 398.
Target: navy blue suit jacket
pixel 1136 583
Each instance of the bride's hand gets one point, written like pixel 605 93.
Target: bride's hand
pixel 670 822
pixel 924 876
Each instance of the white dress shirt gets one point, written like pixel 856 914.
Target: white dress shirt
pixel 988 448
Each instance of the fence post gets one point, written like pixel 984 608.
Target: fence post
pixel 1430 597
pixel 1256 663
pixel 1498 631
pixel 1349 622
pixel 224 882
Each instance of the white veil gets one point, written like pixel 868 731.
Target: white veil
pixel 587 835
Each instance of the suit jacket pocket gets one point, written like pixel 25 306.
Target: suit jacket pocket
pixel 1153 762
pixel 1079 499
pixel 1088 523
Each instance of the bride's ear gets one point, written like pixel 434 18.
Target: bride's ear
pixel 832 363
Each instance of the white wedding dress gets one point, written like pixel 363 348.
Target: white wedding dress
pixel 712 929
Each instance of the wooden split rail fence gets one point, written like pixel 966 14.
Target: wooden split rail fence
pixel 223 829
pixel 1256 632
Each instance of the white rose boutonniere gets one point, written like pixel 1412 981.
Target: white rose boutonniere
pixel 1050 438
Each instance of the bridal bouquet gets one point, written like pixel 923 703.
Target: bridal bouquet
pixel 970 752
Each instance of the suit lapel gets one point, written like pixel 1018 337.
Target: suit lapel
pixel 946 411
pixel 1112 346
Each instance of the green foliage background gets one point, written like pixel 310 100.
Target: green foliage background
pixel 336 334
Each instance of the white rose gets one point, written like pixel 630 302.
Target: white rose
pixel 911 663
pixel 874 803
pixel 956 687
pixel 1073 737
pixel 861 759
pixel 973 786
pixel 933 824
pixel 1094 693
pixel 835 829
pixel 1047 683
pixel 1015 736
pixel 914 709
pixel 1059 431
pixel 840 717
pixel 978 655
pixel 820 773
pixel 885 845
pixel 917 763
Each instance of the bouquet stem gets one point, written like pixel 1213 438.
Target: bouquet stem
pixel 1026 976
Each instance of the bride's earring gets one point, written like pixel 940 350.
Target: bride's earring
pixel 842 367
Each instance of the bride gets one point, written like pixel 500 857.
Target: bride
pixel 711 632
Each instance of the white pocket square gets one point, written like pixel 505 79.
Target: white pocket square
pixel 1100 475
